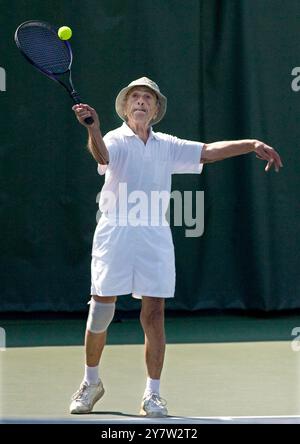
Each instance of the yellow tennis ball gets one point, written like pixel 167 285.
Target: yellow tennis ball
pixel 64 33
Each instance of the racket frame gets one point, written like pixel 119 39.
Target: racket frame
pixel 69 87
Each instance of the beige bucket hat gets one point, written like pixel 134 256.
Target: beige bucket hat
pixel 143 81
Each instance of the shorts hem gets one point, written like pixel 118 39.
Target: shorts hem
pixel 139 294
pixel 134 294
pixel 109 293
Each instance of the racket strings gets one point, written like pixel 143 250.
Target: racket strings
pixel 44 48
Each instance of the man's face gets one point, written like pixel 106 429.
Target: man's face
pixel 141 105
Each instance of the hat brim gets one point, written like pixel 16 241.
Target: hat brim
pixel 121 99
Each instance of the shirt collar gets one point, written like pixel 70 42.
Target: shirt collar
pixel 127 131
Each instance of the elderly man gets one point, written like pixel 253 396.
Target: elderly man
pixel 138 259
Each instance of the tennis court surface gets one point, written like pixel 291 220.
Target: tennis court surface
pixel 219 368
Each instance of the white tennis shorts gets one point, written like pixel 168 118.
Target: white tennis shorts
pixel 137 260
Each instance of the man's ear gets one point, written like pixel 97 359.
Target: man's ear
pixel 125 110
pixel 158 107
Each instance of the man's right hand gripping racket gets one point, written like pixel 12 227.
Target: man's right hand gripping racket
pixel 40 45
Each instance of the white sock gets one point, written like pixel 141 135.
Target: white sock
pixel 152 386
pixel 91 375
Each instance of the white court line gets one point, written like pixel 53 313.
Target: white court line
pixel 293 419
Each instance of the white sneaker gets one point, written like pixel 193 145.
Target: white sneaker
pixel 86 397
pixel 154 406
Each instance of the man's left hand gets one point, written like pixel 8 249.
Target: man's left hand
pixel 266 152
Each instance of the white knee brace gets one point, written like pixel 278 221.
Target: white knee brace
pixel 100 316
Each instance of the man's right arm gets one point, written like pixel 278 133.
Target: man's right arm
pixel 96 144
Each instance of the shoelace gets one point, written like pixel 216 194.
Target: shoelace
pixel 157 399
pixel 81 393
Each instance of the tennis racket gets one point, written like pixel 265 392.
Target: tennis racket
pixel 41 46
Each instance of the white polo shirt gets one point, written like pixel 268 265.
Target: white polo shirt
pixel 129 258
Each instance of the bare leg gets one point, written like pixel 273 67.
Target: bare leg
pixel 95 342
pixel 152 320
pixel 91 389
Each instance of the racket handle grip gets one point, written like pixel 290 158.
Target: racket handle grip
pixel 76 99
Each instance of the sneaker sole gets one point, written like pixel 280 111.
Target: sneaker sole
pixel 153 415
pixel 74 412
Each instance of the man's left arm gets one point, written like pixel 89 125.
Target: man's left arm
pixel 212 152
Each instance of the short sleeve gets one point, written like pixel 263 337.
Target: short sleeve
pixel 112 148
pixel 185 156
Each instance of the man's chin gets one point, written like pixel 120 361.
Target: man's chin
pixel 140 119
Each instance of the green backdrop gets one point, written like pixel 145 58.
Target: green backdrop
pixel 225 67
